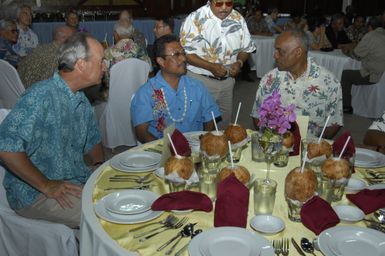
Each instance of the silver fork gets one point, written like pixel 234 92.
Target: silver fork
pixel 173 220
pixel 285 246
pixel 179 224
pixel 136 178
pixel 169 218
pixel 277 247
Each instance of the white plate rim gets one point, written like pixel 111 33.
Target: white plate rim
pixel 267 216
pixel 151 155
pixel 380 163
pixel 341 208
pixel 265 246
pixel 115 164
pixel 148 198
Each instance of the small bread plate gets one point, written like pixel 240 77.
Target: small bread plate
pixel 355 185
pixel 349 213
pixel 267 224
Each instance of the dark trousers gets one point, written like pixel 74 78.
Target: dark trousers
pixel 348 78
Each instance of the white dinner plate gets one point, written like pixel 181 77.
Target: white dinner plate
pixel 130 201
pixel 369 158
pixel 377 186
pixel 349 213
pixel 142 158
pixel 103 213
pixel 267 224
pixel 229 241
pixel 352 241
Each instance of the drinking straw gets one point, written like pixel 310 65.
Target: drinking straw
pixel 303 163
pixel 172 145
pixel 323 130
pixel 215 123
pixel 343 149
pixel 231 154
pixel 236 117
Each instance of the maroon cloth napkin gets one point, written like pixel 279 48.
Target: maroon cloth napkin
pixel 183 200
pixel 297 139
pixel 368 200
pixel 317 215
pixel 339 144
pixel 181 144
pixel 232 203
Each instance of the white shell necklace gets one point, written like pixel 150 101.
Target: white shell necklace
pixel 184 108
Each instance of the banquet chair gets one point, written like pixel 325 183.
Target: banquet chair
pixel 368 100
pixel 115 122
pixel 11 86
pixel 31 237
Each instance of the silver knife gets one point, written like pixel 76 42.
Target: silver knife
pixel 133 187
pixel 296 246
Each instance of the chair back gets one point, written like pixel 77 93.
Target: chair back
pixel 11 86
pixel 115 122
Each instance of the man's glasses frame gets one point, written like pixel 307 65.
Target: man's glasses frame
pixel 220 4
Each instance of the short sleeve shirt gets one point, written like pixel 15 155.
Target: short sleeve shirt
pixel 317 94
pixel 26 41
pixel 148 105
pixel 55 128
pixel 213 39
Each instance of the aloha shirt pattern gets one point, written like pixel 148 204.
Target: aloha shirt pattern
pixel 26 41
pixel 378 124
pixel 213 39
pixel 55 128
pixel 317 94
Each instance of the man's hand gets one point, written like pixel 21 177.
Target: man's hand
pixel 235 68
pixel 60 191
pixel 218 70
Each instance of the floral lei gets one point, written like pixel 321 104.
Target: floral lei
pixel 159 110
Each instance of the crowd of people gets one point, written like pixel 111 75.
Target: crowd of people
pixel 45 136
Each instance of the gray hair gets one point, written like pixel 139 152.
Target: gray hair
pixel 124 29
pixel 6 23
pixel 74 48
pixel 18 10
pixel 301 37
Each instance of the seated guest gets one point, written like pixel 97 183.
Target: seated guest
pixel 138 37
pixel 375 136
pixel 371 52
pixel 46 169
pixel 336 33
pixel 8 37
pixel 296 21
pixel 27 39
pixel 272 19
pixel 72 19
pixel 316 33
pixel 41 63
pixel 257 24
pixel 171 96
pixel 311 88
pixel 357 30
pixel 124 47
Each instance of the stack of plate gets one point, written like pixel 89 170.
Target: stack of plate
pixel 369 158
pixel 131 161
pixel 127 207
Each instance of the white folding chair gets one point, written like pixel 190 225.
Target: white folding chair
pixel 30 237
pixel 368 100
pixel 11 86
pixel 115 122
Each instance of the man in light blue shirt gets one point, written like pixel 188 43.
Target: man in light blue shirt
pixel 44 138
pixel 171 96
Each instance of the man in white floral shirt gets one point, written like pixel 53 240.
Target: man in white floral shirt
pixel 311 88
pixel 217 42
pixel 27 38
pixel 375 136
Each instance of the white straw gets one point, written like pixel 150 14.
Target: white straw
pixel 215 123
pixel 343 149
pixel 323 130
pixel 231 154
pixel 172 145
pixel 236 117
pixel 303 163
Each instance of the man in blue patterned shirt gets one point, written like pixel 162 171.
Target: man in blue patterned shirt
pixel 44 138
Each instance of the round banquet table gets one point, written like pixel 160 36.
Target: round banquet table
pixel 100 237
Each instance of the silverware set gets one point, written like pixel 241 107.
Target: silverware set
pixel 281 247
pixel 143 182
pixel 374 177
pixel 177 225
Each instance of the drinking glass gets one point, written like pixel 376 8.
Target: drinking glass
pixel 256 149
pixel 271 146
pixel 294 209
pixel 264 196
pixel 208 175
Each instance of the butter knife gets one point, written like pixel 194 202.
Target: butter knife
pixel 296 246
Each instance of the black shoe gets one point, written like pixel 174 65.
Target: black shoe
pixel 348 110
pixel 247 78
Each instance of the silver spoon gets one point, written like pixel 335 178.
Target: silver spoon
pixel 307 246
pixel 181 250
pixel 186 231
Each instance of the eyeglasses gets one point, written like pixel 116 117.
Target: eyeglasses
pixel 220 4
pixel 176 54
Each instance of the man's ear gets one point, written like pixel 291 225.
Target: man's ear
pixel 80 65
pixel 160 61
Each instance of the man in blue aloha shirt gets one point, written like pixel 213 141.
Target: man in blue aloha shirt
pixel 44 138
pixel 171 96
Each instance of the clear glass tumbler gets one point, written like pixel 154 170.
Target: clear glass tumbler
pixel 264 196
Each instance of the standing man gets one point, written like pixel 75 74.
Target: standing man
pixel 27 39
pixel 44 138
pixel 217 42
pixel 311 88
pixel 8 37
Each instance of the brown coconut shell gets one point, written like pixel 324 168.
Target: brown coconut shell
pixel 235 133
pixel 183 166
pixel 336 169
pixel 300 186
pixel 240 172
pixel 214 144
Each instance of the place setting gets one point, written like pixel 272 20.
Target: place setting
pixel 136 161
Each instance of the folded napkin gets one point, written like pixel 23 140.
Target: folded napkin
pixel 317 215
pixel 339 144
pixel 368 200
pixel 183 200
pixel 181 144
pixel 297 139
pixel 232 203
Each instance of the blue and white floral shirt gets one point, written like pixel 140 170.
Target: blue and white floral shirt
pixel 26 41
pixel 55 128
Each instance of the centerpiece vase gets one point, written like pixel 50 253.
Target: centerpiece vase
pixel 271 143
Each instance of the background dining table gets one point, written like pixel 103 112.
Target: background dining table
pixel 100 237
